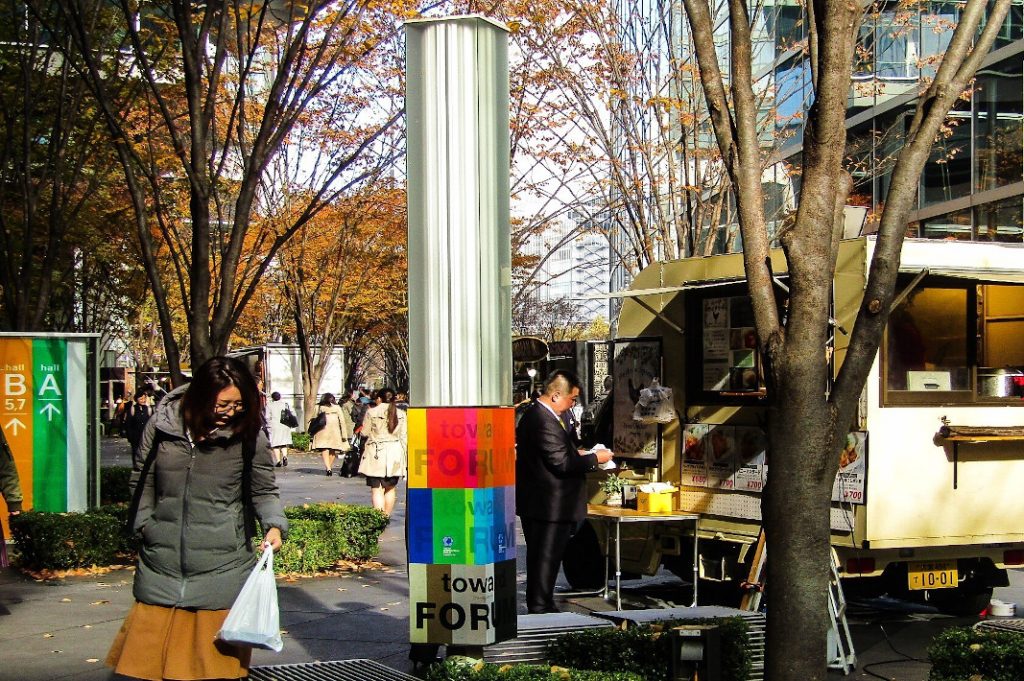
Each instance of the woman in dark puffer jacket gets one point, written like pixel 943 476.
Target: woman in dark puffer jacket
pixel 196 551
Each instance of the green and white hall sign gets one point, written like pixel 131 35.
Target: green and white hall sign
pixel 48 392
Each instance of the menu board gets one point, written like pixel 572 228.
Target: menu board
pixel 694 470
pixel 735 458
pixel 724 457
pixel 729 345
pixel 752 461
pixel 635 364
pixel 852 476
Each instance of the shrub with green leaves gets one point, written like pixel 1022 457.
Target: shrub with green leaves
pixel 114 484
pixel 963 653
pixel 459 670
pixel 62 541
pixel 319 535
pixel 300 441
pixel 647 650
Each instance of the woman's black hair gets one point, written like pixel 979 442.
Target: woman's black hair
pixel 198 403
pixel 387 396
pixel 327 399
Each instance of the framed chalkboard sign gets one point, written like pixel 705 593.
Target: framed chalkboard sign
pixel 635 363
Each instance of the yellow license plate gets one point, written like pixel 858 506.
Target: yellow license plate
pixel 936 574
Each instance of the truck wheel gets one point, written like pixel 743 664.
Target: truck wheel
pixel 584 563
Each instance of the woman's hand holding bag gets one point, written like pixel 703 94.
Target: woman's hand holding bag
pixel 254 619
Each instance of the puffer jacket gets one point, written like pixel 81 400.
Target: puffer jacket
pixel 191 518
pixel 10 484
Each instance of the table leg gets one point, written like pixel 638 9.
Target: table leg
pixel 607 544
pixel 696 561
pixel 618 566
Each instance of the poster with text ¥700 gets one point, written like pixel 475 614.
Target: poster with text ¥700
pixel 635 363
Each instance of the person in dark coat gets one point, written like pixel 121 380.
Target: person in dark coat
pixel 196 551
pixel 10 490
pixel 136 415
pixel 550 485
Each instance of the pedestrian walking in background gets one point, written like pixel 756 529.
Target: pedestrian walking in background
pixel 202 474
pixel 384 454
pixel 136 416
pixel 280 433
pixel 10 489
pixel 333 438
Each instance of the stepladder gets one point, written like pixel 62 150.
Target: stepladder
pixel 840 653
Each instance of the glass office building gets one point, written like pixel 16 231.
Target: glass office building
pixel 972 186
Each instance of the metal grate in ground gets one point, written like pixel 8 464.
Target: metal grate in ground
pixel 535 632
pixel 756 624
pixel 1014 624
pixel 335 670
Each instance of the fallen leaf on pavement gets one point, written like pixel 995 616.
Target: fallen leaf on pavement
pixel 47 635
pixel 93 659
pixel 98 602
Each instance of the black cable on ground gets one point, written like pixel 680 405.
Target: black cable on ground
pixel 904 658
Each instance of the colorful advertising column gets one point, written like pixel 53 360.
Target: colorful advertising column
pixel 45 418
pixel 460 515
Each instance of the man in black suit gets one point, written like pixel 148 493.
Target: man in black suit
pixel 550 485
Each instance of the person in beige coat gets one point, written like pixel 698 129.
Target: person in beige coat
pixel 334 438
pixel 384 456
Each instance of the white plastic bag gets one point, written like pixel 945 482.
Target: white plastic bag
pixel 655 405
pixel 254 619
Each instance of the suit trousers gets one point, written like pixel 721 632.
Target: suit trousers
pixel 545 545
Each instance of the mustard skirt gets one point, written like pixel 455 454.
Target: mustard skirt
pixel 157 643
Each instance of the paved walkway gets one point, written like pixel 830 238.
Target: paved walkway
pixel 61 629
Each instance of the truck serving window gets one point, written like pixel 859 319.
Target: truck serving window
pixel 955 343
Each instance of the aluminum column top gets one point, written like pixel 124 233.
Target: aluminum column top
pixel 460 272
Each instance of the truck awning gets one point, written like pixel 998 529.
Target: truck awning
pixel 641 292
pixel 994 262
pixel 981 276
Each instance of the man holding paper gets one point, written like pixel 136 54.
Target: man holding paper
pixel 550 485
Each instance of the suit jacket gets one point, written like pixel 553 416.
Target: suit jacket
pixel 550 473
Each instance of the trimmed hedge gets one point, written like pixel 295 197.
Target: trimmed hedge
pixel 646 650
pixel 319 536
pixel 463 670
pixel 62 541
pixel 300 441
pixel 114 485
pixel 963 653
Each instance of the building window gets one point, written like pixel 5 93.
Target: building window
pixel 999 126
pixel 956 225
pixel 1000 221
pixel 947 175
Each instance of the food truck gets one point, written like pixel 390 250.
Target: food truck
pixel 927 501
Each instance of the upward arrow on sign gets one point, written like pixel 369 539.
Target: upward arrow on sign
pixel 14 425
pixel 50 410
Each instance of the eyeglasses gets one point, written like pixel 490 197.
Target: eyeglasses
pixel 229 407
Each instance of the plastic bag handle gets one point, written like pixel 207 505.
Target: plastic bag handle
pixel 266 560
